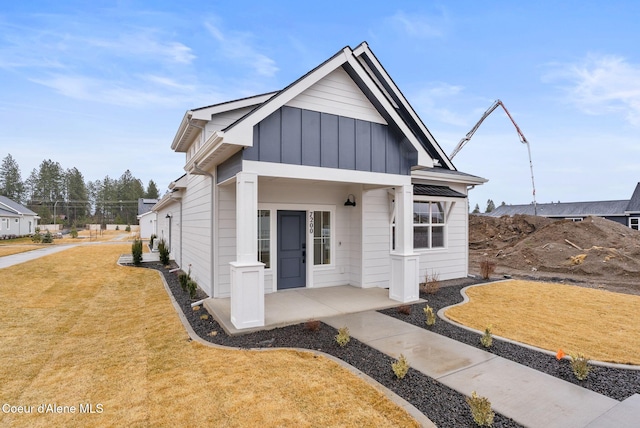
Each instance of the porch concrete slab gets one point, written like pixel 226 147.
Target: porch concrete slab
pixel 624 414
pixel 529 396
pixel 430 353
pixel 288 307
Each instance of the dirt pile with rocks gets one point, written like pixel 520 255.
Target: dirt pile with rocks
pixel 593 250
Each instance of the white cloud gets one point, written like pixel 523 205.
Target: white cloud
pixel 236 46
pixel 602 84
pixel 426 99
pixel 415 25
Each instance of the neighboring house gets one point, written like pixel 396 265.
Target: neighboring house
pixel 16 219
pixel 625 211
pixel 147 222
pixel 145 205
pixel 333 180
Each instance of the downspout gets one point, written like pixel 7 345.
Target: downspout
pixel 208 174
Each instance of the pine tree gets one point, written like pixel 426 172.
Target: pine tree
pixel 476 210
pixel 152 191
pixel 11 184
pixel 490 206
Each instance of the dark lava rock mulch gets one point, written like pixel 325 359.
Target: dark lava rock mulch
pixel 441 404
pixel 618 384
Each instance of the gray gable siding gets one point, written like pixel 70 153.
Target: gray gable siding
pixel 302 137
pixel 229 168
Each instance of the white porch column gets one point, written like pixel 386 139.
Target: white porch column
pixel 247 273
pixel 404 262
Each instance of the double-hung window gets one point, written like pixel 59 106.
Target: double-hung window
pixel 634 223
pixel 428 224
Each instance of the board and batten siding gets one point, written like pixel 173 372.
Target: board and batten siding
pixel 196 231
pixel 304 137
pixel 376 238
pixel 337 94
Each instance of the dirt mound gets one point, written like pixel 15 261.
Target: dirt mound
pixel 593 249
pixel 492 232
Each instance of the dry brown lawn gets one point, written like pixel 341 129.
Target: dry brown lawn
pixel 600 324
pixel 78 329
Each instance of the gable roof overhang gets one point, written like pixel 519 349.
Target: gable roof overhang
pixel 633 207
pixel 193 121
pixel 396 110
pixel 11 206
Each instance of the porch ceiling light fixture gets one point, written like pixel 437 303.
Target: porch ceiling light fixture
pixel 351 201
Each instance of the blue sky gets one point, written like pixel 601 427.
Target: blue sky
pixel 102 86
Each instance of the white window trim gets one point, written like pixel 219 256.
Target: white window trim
pixel 447 209
pixel 637 219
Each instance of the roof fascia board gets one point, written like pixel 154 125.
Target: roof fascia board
pixel 205 113
pixel 365 52
pixel 433 174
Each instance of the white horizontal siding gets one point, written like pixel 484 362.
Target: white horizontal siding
pixel 196 230
pixel 450 262
pixel 376 236
pixel 226 242
pixel 337 94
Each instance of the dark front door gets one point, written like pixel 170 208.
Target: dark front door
pixel 292 249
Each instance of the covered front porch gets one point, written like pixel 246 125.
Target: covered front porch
pixel 303 304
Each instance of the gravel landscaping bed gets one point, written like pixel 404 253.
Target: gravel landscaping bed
pixel 444 406
pixel 618 384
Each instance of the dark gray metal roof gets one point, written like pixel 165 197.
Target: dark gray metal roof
pixel 634 202
pixel 428 190
pixel 565 209
pixel 14 206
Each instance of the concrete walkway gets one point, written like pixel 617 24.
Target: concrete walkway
pixel 530 397
pixel 15 259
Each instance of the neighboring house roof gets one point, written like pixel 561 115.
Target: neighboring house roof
pixel 366 72
pixel 634 202
pixel 145 205
pixel 429 190
pixel 15 209
pixel 565 209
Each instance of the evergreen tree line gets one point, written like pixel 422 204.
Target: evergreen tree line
pixel 51 191
pixel 490 207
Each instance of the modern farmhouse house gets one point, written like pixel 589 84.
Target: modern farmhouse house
pixel 333 180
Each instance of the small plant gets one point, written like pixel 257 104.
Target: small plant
pixel 405 309
pixel 580 366
pixel 136 252
pixel 182 279
pixel 37 237
pixel 430 315
pixel 74 232
pixel 400 367
pixel 127 229
pixel 192 288
pixel 487 268
pixel 431 283
pixel 47 238
pixel 117 227
pixel 480 410
pixel 312 325
pixel 164 252
pixel 343 336
pixel 487 340
pixel 204 317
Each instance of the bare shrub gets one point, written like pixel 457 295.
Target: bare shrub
pixel 431 283
pixel 487 268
